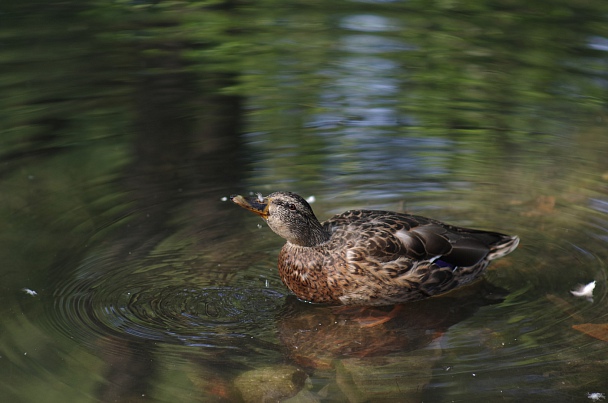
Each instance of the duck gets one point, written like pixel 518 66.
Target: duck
pixel 372 257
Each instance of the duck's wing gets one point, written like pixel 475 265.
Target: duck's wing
pixel 397 257
pixel 382 236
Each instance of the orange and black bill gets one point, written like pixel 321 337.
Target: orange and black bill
pixel 255 204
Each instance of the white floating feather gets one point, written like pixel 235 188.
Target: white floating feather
pixel 584 291
pixel 595 396
pixel 29 292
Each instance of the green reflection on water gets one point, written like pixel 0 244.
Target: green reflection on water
pixel 122 128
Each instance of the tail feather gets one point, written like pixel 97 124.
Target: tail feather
pixel 503 248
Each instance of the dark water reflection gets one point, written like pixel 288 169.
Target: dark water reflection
pixel 126 276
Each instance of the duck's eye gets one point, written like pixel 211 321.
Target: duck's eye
pixel 292 206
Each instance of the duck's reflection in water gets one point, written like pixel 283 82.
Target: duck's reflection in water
pixel 314 336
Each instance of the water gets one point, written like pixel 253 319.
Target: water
pixel 127 276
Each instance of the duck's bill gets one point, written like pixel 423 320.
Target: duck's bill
pixel 257 205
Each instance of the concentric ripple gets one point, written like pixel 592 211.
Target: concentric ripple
pixel 186 305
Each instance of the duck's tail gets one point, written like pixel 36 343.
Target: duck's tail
pixel 503 248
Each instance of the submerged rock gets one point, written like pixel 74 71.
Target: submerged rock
pixel 270 384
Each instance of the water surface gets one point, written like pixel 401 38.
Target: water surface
pixel 127 275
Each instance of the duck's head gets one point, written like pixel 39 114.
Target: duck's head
pixel 288 215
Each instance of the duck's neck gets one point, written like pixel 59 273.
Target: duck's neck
pixel 310 235
pixel 304 231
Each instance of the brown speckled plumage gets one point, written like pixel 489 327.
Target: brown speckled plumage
pixel 369 257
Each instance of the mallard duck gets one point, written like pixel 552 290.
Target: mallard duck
pixel 371 257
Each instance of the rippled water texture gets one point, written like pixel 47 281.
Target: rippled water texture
pixel 128 275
